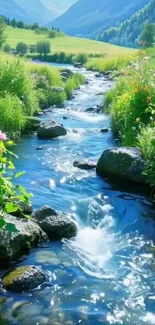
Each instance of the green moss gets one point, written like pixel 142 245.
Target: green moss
pixel 8 279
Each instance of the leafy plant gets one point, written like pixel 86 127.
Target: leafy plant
pixel 10 194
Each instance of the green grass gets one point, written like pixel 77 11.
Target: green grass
pixel 131 105
pixel 66 44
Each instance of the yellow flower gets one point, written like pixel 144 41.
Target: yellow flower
pixel 138 119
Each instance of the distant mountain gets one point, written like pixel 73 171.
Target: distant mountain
pixel 11 9
pixel 58 7
pixel 36 11
pixel 89 17
pixel 127 34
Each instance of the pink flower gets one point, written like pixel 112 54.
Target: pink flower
pixel 3 136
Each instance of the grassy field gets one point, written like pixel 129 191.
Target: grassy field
pixel 66 44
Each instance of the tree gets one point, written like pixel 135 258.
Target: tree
pixel 7 48
pixel 43 47
pixel 2 31
pixel 33 48
pixel 34 26
pixel 21 48
pixel 147 35
pixel 20 24
pixel 13 23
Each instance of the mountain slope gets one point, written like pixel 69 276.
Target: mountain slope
pixel 87 16
pixel 128 32
pixel 58 7
pixel 11 9
pixel 36 11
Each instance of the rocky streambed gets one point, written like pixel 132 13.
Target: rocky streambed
pixel 87 254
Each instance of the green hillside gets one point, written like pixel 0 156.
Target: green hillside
pixel 64 44
pixel 128 32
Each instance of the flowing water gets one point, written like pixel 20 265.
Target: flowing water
pixel 106 275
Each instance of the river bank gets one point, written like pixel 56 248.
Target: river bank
pixel 105 274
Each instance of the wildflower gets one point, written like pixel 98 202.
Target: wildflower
pixel 148 99
pixel 138 119
pixel 3 136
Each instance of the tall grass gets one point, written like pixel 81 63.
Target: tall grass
pixel 26 87
pixel 73 83
pixel 132 107
pixel 110 64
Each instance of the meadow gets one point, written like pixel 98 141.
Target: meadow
pixel 65 44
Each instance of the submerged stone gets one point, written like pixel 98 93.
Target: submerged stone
pixel 23 278
pixel 86 165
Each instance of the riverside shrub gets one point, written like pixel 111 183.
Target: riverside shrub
pixel 132 107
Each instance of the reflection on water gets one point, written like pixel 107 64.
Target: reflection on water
pixel 106 275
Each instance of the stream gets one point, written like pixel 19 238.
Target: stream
pixel 106 275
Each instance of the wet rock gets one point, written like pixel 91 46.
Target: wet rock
pixel 25 234
pixel 23 278
pixel 78 65
pixel 123 162
pixel 39 148
pixel 65 118
pixel 90 109
pixel 98 75
pixel 40 113
pixel 57 89
pixel 86 165
pixel 50 130
pixel 86 82
pixel 107 73
pixel 104 130
pixel 55 225
pixel 66 73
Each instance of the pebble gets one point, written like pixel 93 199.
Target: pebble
pixel 46 257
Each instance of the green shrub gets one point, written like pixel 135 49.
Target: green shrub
pixel 11 112
pixel 146 141
pixel 7 48
pixel 21 48
pixel 73 83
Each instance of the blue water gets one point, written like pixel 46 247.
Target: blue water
pixel 106 275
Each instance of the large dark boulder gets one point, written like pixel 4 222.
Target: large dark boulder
pixel 56 225
pixel 22 235
pixel 23 278
pixel 50 130
pixel 125 163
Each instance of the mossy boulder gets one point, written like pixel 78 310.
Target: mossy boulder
pixel 23 278
pixel 124 162
pixel 56 225
pixel 19 239
pixel 50 130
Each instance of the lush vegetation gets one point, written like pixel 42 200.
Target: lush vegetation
pixel 11 195
pixel 66 44
pixel 129 31
pixel 25 88
pixel 132 107
pixel 110 63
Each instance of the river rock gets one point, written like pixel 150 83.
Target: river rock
pixel 66 73
pixel 124 162
pixel 57 89
pixel 78 65
pixel 86 165
pixel 98 75
pixel 55 225
pixel 25 234
pixel 23 278
pixel 104 130
pixel 50 130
